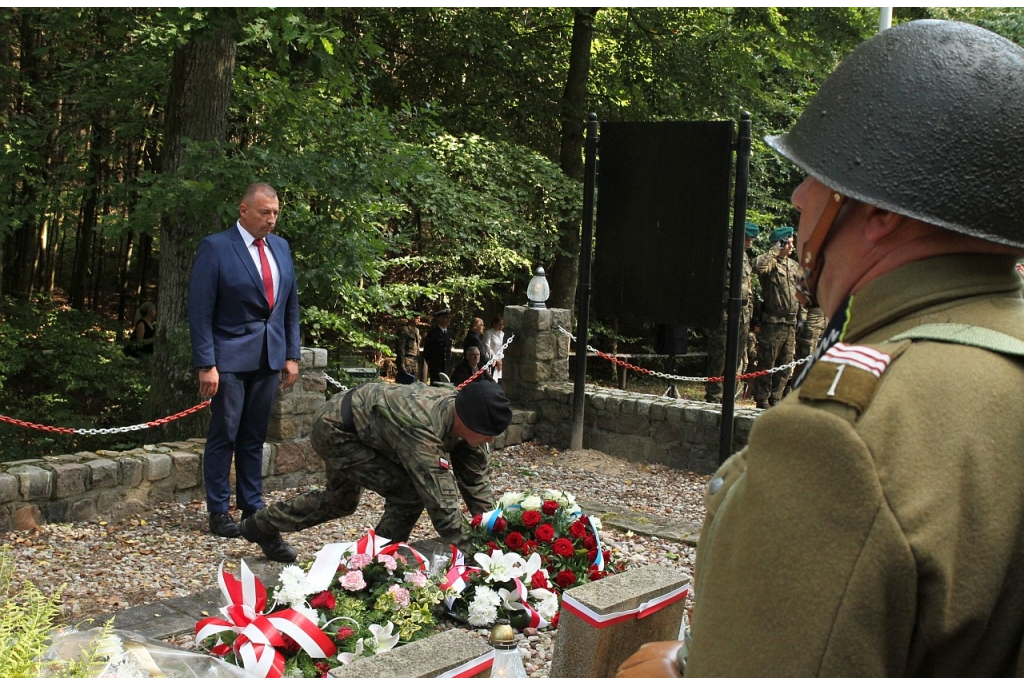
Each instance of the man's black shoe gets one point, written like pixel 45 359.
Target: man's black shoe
pixel 246 513
pixel 222 525
pixel 274 547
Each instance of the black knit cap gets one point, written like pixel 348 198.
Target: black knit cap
pixel 483 407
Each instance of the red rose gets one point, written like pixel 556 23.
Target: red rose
pixel 529 547
pixel 563 547
pixel 565 579
pixel 590 542
pixel 499 525
pixel 577 530
pixel 322 667
pixel 323 600
pixel 592 555
pixel 607 556
pixel 492 546
pixel 544 533
pixel 514 541
pixel 596 575
pixel 344 633
pixel 539 581
pixel 476 521
pixel 289 645
pixel 584 520
pixel 554 619
pixel 549 507
pixel 531 518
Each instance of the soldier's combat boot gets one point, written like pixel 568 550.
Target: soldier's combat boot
pixel 273 545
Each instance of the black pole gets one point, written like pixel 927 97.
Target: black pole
pixel 732 330
pixel 583 319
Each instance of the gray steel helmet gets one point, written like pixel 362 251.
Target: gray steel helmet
pixel 925 119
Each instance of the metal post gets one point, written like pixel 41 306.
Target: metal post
pixel 732 330
pixel 583 319
pixel 884 18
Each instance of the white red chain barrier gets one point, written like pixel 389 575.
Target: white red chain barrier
pixel 694 379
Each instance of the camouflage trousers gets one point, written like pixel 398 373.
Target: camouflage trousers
pixel 775 347
pixel 716 357
pixel 350 466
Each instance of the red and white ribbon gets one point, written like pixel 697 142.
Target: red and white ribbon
pixel 259 635
pixel 649 607
pixel 471 667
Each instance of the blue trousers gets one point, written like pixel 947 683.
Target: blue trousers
pixel 238 427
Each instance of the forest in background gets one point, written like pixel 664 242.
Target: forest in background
pixel 422 156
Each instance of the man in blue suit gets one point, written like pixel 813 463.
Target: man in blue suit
pixel 243 312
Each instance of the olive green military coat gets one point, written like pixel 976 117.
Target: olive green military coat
pixel 874 526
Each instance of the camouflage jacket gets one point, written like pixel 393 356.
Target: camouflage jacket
pixel 410 425
pixel 778 287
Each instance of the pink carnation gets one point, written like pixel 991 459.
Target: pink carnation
pixel 389 561
pixel 353 581
pixel 358 561
pixel 416 578
pixel 400 594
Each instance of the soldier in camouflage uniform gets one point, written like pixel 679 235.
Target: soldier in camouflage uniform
pixel 407 347
pixel 717 337
pixel 810 324
pixel 777 338
pixel 417 446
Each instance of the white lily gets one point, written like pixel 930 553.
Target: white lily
pixel 349 657
pixel 527 567
pixel 384 636
pixel 510 600
pixel 498 566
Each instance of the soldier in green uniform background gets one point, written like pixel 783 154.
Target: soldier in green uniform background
pixel 417 446
pixel 716 337
pixel 407 348
pixel 810 324
pixel 874 523
pixel 777 338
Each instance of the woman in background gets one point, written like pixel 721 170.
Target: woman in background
pixel 145 330
pixel 494 338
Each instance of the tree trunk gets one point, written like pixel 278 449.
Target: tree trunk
pixel 565 271
pixel 197 109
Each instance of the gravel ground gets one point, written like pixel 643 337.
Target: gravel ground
pixel 105 567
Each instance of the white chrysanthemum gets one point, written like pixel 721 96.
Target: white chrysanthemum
pixel 532 503
pixel 498 566
pixel 547 607
pixel 292 574
pixel 486 595
pixel 510 498
pixel 482 613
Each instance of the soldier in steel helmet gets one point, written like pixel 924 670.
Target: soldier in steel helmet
pixel 717 337
pixel 417 446
pixel 874 524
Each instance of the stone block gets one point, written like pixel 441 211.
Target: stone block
pixel 33 482
pixel 314 382
pixel 665 433
pixel 156 466
pixel 57 510
pixel 186 469
pixel 658 411
pixel 82 510
pixel 6 521
pixel 514 318
pixel 284 428
pixel 291 457
pixel 532 371
pixel 631 424
pixel 536 319
pixel 70 479
pixel 529 432
pixel 104 473
pixel 585 651
pixel 319 360
pixel 513 435
pixel 431 657
pixel 546 346
pixel 10 488
pixel 131 471
pixel 27 518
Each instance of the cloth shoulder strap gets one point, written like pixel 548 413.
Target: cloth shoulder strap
pixel 965 334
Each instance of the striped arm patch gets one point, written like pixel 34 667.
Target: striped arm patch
pixel 864 358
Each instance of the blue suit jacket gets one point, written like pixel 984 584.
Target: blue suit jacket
pixel 227 309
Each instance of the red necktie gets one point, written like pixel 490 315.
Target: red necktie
pixel 268 278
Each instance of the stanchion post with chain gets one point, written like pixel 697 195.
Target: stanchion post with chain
pixel 732 328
